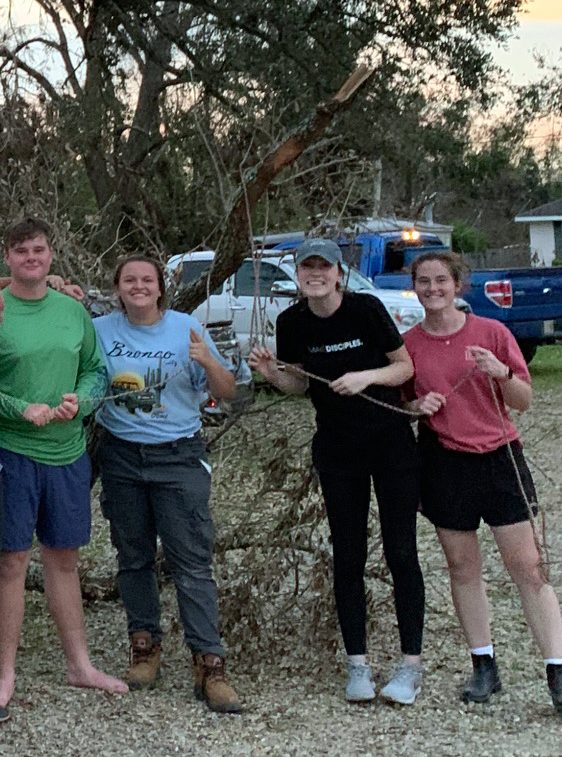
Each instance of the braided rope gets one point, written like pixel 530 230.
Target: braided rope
pixel 540 541
pixel 539 538
pixel 394 408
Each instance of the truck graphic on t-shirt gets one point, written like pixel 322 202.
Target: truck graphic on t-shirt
pixel 136 392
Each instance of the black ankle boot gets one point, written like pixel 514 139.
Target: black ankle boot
pixel 484 681
pixel 554 678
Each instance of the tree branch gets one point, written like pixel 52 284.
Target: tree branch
pixel 38 77
pixel 63 47
pixel 235 241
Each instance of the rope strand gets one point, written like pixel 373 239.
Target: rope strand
pixel 540 543
pixel 401 410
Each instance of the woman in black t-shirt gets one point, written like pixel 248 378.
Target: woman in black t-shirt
pixel 350 340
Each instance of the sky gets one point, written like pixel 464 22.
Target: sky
pixel 540 31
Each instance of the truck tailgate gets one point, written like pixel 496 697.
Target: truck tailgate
pixel 536 292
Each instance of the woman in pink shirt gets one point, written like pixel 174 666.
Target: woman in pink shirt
pixel 468 372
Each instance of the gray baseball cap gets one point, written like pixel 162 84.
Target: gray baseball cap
pixel 319 248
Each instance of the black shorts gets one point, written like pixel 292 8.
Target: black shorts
pixel 460 488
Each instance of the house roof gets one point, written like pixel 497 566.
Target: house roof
pixel 550 211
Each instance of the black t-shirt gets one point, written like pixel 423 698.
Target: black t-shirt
pixel 354 338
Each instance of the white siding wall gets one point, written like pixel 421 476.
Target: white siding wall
pixel 542 242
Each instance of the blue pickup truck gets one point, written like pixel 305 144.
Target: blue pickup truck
pixel 527 300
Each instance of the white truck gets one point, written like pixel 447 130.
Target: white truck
pixel 264 286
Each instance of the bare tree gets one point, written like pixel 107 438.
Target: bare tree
pixel 160 103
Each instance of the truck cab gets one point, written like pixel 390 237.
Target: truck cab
pixel 371 253
pixel 390 251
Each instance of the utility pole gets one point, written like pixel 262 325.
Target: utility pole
pixel 377 187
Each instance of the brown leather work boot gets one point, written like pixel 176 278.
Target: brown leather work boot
pixel 144 667
pixel 198 674
pixel 211 684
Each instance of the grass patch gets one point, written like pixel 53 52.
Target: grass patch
pixel 546 368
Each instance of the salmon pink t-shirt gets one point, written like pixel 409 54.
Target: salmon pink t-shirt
pixel 469 422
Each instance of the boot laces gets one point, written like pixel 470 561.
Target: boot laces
pixel 140 654
pixel 214 669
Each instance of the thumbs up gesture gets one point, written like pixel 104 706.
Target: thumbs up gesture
pixel 198 349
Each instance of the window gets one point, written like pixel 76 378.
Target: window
pixel 393 257
pixel 191 270
pixel 245 278
pixel 355 281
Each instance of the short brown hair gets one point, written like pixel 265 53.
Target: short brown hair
pixel 29 228
pixel 456 265
pixel 158 267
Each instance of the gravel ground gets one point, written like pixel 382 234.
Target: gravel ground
pixel 294 703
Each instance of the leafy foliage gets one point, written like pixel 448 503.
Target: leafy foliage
pixel 146 115
pixel 468 239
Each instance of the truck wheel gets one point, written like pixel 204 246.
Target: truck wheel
pixel 528 350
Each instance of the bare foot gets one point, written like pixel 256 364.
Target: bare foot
pixel 7 684
pixel 91 678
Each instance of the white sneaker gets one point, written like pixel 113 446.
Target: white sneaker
pixel 360 686
pixel 405 684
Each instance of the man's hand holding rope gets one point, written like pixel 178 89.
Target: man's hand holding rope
pixel 67 409
pixel 40 414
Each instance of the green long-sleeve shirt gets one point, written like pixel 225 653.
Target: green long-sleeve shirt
pixel 47 348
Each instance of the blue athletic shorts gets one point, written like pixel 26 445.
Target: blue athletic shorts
pixel 52 500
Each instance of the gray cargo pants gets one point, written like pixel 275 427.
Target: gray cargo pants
pixel 163 490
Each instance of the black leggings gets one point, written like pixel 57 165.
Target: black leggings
pixel 347 497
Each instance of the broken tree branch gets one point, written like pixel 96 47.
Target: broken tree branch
pixel 235 240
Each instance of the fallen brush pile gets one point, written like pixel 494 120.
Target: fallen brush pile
pixel 273 567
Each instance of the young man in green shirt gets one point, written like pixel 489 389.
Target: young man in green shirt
pixel 51 376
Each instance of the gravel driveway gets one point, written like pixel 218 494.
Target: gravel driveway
pixel 293 700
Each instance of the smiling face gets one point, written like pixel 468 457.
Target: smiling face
pixel 138 287
pixel 318 278
pixel 29 260
pixel 435 286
